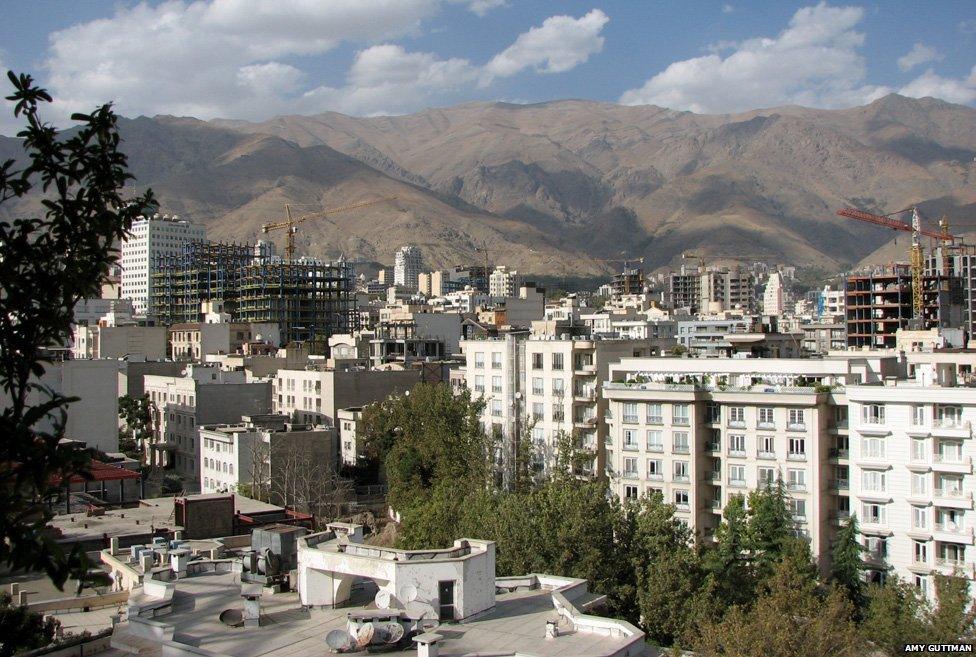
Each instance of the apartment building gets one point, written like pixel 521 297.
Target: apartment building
pixel 204 394
pixel 259 450
pixel 197 340
pixel 701 430
pixel 958 262
pixel 504 282
pixel 911 475
pixel 823 337
pixel 408 262
pixel 150 238
pixel 96 341
pixel 711 290
pixel 315 396
pixel 348 426
pixel 545 386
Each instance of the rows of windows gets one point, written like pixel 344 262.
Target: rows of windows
pixel 737 444
pixel 653 413
pixel 939 415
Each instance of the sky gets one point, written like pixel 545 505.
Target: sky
pixel 255 59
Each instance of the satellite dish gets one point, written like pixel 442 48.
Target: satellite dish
pixel 408 593
pixel 384 599
pixel 338 640
pixel 365 634
pixel 395 632
pixel 232 617
pixel 427 625
pixel 420 611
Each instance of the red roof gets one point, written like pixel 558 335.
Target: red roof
pixel 100 472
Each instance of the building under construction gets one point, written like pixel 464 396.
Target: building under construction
pixel 879 302
pixel 629 281
pixel 310 300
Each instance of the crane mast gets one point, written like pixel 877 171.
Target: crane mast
pixel 290 224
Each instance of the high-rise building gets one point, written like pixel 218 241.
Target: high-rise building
pixel 150 238
pixel 504 282
pixel 711 290
pixel 774 296
pixel 406 267
pixel 957 262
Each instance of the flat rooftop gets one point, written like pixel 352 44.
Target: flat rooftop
pixel 517 623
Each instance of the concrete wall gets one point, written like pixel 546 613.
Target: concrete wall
pixel 227 402
pixel 131 374
pixel 118 341
pixel 94 418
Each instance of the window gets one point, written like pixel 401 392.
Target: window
pixel 630 492
pixel 766 476
pixel 796 479
pixel 557 361
pixel 655 441
pixel 797 449
pixel 538 435
pixel 873 481
pixel 796 420
pixel 920 483
pixel 918 416
pixel 479 360
pixel 496 360
pixel 680 445
pixel 920 517
pixel 630 413
pixel 951 554
pixel 737 445
pixel 873 414
pixel 538 410
pixel 558 413
pixel 679 414
pixel 873 448
pixel 922 584
pixel 496 384
pixel 496 407
pixel 737 475
pixel 558 386
pixel 537 361
pixel 681 470
pixel 948 416
pixel 713 413
pixel 479 383
pixel 654 470
pixel 918 450
pixel 799 510
pixel 873 513
pixel 766 418
pixel 737 416
pixel 654 414
pixel 681 500
pixel 630 439
pixel 537 385
pixel 630 467
pixel 949 452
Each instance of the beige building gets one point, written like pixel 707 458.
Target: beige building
pixel 701 430
pixel 197 340
pixel 95 341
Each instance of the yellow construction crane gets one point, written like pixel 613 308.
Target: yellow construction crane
pixel 291 223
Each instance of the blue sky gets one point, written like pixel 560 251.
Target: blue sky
pixel 254 59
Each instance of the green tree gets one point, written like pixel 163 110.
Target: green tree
pixel 425 437
pixel 955 613
pixel 894 615
pixel 136 415
pixel 63 255
pixel 790 618
pixel 728 561
pixel 22 629
pixel 771 526
pixel 846 563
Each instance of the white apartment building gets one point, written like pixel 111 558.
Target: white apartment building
pixel 699 430
pixel 407 265
pixel 774 297
pixel 205 394
pixel 315 396
pixel 912 483
pixel 255 450
pixel 504 282
pixel 544 386
pixel 151 237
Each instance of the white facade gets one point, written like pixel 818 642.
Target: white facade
pixel 151 237
pixel 774 300
pixel 912 483
pixel 504 282
pixel 406 267
pixel 315 396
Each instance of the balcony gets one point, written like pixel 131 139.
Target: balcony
pixel 654 447
pixel 840 517
pixel 655 476
pixel 840 484
pixel 584 395
pixel 559 393
pixel 737 483
pixel 713 447
pixel 737 452
pixel 584 369
pixel 682 506
pixel 498 390
pixel 796 456
pixel 953 498
pixel 629 474
pixel 839 453
pixel 630 419
pixel 680 421
pixel 948 562
pixel 715 505
pixel 737 424
pixel 766 456
pixel 796 426
pixel 954 463
pixel 954 531
pixel 951 428
pixel 655 419
pixel 630 447
pixel 714 475
pixel 765 425
pixel 797 487
pixel 680 478
pixel 680 449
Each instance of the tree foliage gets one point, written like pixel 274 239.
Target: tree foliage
pixel 136 416
pixel 846 564
pixel 22 629
pixel 48 263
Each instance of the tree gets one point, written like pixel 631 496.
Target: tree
pixel 729 561
pixel 771 525
pixel 955 613
pixel 136 415
pixel 66 253
pixel 894 615
pixel 790 618
pixel 22 629
pixel 846 563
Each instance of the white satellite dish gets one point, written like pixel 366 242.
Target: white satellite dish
pixel 384 599
pixel 417 610
pixel 408 593
pixel 338 640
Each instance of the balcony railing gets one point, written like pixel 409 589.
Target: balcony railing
pixel 558 392
pixel 839 452
pixel 765 425
pixel 655 476
pixel 655 447
pixel 796 426
pixel 953 528
pixel 737 483
pixel 680 478
pixel 630 447
pixel 737 424
pixel 796 486
pixel 713 447
pixel 951 459
pixel 949 423
pixel 796 456
pixel 682 506
pixel 714 475
pixel 630 419
pixel 680 449
pixel 761 454
pixel 952 493
pixel 737 452
pixel 948 562
pixel 655 419
pixel 715 504
pixel 840 484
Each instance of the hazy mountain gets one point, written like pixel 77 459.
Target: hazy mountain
pixel 553 186
pixel 656 182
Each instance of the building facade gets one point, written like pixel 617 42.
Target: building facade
pixel 150 238
pixel 407 266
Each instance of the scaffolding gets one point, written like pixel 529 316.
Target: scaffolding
pixel 308 299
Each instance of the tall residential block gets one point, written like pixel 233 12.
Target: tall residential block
pixel 407 265
pixel 150 238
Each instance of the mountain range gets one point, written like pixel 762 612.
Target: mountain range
pixel 569 186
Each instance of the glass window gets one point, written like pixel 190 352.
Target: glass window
pixel 797 448
pixel 766 417
pixel 796 420
pixel 479 382
pixel 630 492
pixel 872 480
pixel 796 479
pixel 496 407
pixel 681 470
pixel 918 416
pixel 479 361
pixel 680 442
pixel 557 361
pixel 766 447
pixel 630 413
pixel 873 448
pixel 654 470
pixel 737 416
pixel 496 360
pixel 654 414
pixel 630 439
pixel 713 412
pixel 766 476
pixel 655 440
pixel 737 475
pixel 681 499
pixel 496 384
pixel 948 416
pixel 873 513
pixel 630 467
pixel 537 386
pixel 538 410
pixel 873 414
pixel 537 361
pixel 799 509
pixel 679 414
pixel 920 517
pixel 737 444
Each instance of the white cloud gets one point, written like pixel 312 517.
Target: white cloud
pixel 558 45
pixel 814 61
pixel 727 9
pixel 954 90
pixel 482 7
pixel 919 54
